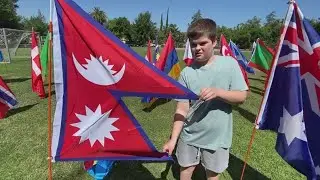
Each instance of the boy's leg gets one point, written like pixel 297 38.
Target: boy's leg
pixel 215 162
pixel 188 158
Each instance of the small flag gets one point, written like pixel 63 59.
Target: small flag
pixel 168 61
pixel 225 50
pixel 187 57
pixel 37 83
pixel 7 99
pixel 148 56
pixel 242 60
pixel 44 55
pixel 262 57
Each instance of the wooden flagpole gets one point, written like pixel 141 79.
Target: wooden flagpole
pixel 49 96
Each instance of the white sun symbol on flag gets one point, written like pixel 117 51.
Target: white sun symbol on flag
pixel 95 126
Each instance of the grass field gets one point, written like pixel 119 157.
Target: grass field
pixel 23 137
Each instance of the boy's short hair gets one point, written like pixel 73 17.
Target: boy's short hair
pixel 202 27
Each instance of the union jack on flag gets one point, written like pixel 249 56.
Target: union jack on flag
pixel 290 105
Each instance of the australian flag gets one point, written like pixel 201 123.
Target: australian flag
pixel 290 105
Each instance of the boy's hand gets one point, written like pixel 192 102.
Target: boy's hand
pixel 207 94
pixel 169 146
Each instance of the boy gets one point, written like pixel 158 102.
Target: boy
pixel 207 134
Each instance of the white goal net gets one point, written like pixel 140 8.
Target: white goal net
pixel 15 44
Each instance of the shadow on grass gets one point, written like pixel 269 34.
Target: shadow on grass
pixel 257 79
pixel 47 84
pixel 53 92
pixel 79 172
pixel 129 170
pixel 158 102
pixel 14 80
pixel 235 170
pixel 256 90
pixel 20 109
pixel 245 113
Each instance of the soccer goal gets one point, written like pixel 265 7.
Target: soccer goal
pixel 15 44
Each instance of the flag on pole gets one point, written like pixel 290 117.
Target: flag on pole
pixel 261 58
pixel 168 61
pixel 156 53
pixel 225 50
pixel 7 99
pixel 93 70
pixel 148 100
pixel 44 55
pixel 290 105
pixel 254 44
pixel 37 83
pixel 148 56
pixel 242 60
pixel 187 57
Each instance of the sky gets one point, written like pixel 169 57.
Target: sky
pixel 225 12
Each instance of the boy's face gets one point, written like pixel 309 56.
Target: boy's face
pixel 202 48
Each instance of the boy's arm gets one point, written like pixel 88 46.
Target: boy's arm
pixel 229 96
pixel 178 121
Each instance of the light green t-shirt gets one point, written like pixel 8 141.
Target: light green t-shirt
pixel 210 126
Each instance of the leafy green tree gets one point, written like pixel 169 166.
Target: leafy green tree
pixel 143 29
pixel 38 22
pixel 120 27
pixel 100 16
pixel 8 14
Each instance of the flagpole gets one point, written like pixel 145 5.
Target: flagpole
pixel 49 96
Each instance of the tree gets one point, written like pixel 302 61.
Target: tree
pixel 38 22
pixel 120 27
pixel 161 23
pixel 316 24
pixel 271 29
pixel 196 16
pixel 143 29
pixel 167 20
pixel 248 32
pixel 100 16
pixel 178 37
pixel 8 14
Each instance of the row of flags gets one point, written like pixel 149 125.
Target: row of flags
pixel 8 100
pixel 261 56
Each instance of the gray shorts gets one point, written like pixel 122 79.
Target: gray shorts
pixel 216 161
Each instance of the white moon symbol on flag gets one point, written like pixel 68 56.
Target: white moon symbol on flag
pixel 98 71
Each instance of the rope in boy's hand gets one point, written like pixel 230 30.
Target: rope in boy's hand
pixel 193 108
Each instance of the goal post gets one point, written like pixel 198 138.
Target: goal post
pixel 15 43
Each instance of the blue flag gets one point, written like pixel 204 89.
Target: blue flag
pixel 240 57
pixel 290 105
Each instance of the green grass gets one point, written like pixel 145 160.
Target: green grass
pixel 23 137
